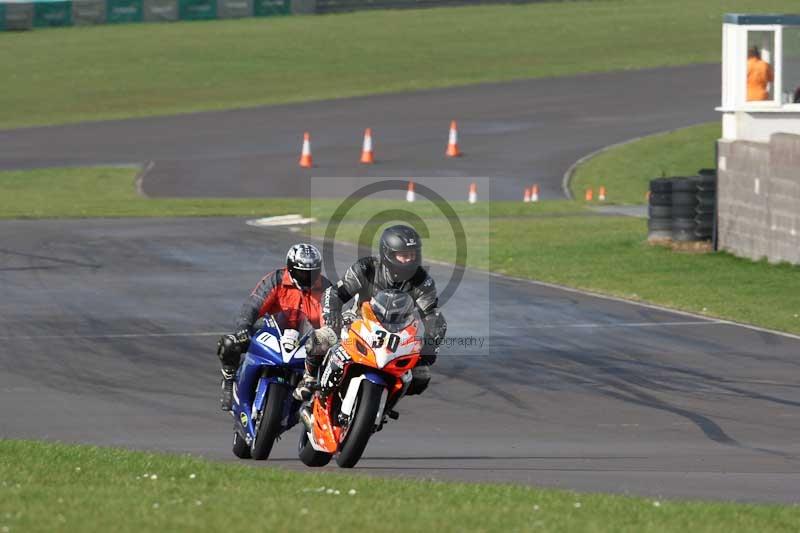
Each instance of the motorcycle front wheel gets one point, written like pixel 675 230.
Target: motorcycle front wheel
pixel 362 424
pixel 308 455
pixel 268 426
pixel 240 447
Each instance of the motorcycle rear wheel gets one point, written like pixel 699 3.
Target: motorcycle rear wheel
pixel 362 425
pixel 308 455
pixel 268 426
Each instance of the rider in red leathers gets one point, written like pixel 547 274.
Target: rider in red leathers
pixel 296 288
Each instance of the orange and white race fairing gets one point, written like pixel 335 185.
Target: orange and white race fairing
pixel 376 362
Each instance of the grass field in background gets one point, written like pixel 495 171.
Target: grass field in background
pixel 90 73
pixel 56 487
pixel 78 192
pixel 109 192
pixel 610 255
pixel 626 170
pixel 559 242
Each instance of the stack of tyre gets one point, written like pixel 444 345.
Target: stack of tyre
pixel 659 224
pixel 706 203
pixel 682 209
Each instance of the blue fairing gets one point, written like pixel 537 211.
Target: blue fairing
pixel 377 379
pixel 262 366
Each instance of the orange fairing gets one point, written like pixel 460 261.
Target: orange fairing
pixel 360 346
pixel 369 344
pixel 367 313
pixel 359 351
pixel 325 434
pixel 357 347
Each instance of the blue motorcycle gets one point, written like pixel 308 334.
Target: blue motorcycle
pixel 263 406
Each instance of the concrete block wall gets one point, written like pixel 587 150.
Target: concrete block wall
pixel 759 198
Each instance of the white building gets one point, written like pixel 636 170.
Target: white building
pixel 759 153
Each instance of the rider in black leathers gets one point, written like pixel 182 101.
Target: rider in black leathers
pixel 398 267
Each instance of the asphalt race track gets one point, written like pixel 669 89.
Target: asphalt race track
pixel 108 329
pixel 517 133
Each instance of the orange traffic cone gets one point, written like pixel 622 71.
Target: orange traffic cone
pixel 452 143
pixel 602 194
pixel 526 197
pixel 535 193
pixel 305 155
pixel 589 195
pixel 473 193
pixel 410 196
pixel 367 157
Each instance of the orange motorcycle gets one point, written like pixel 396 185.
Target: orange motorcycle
pixel 364 377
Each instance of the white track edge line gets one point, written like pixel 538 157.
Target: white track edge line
pixel 647 305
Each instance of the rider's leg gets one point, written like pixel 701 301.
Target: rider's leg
pixel 317 346
pixel 420 378
pixel 229 352
pixel 421 374
pixel 309 381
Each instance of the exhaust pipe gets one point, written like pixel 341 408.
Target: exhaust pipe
pixel 307 417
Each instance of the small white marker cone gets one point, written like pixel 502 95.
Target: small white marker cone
pixel 473 193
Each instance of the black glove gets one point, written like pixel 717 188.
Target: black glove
pixel 242 336
pixel 230 347
pixel 428 353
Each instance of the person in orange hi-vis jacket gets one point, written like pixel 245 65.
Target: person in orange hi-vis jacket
pixel 759 74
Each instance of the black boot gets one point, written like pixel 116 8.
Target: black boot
pixel 226 395
pixel 305 388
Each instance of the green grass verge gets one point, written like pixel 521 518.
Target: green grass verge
pixel 109 192
pixel 58 487
pixel 558 242
pixel 626 170
pixel 90 73
pixel 610 255
pixel 86 192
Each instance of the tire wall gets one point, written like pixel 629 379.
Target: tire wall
pixel 683 209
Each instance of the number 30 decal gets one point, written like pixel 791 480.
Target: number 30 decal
pixel 381 337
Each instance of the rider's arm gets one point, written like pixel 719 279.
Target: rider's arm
pixel 432 319
pixel 251 309
pixel 335 297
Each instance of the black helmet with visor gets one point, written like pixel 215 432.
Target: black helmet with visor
pixel 400 252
